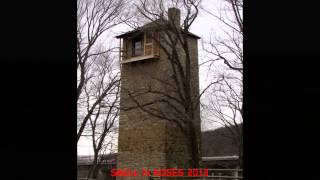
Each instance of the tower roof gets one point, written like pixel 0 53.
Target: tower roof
pixel 152 25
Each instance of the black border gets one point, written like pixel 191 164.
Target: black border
pixel 281 90
pixel 38 98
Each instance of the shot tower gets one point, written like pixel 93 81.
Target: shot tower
pixel 145 139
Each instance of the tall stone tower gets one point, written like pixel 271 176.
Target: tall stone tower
pixel 145 139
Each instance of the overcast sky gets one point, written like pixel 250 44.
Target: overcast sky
pixel 204 26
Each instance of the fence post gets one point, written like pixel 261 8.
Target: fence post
pixel 219 174
pixel 236 174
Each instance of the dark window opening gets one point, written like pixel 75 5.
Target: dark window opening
pixel 137 46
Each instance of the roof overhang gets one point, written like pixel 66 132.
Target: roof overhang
pixel 152 25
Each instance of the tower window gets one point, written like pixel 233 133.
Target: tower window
pixel 137 46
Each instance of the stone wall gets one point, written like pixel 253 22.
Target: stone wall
pixel 146 141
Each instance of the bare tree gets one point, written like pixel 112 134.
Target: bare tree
pixel 98 74
pixel 94 19
pixel 103 120
pixel 180 94
pixel 225 101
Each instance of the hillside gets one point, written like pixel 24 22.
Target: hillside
pixel 215 143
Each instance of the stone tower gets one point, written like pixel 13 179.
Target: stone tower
pixel 145 140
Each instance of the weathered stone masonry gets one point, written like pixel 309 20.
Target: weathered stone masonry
pixel 144 140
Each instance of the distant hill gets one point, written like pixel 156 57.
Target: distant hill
pixel 215 143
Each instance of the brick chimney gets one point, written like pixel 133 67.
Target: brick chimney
pixel 174 16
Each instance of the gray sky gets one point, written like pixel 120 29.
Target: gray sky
pixel 204 26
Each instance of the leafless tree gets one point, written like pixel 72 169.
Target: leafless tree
pixel 94 19
pixel 225 104
pixel 103 120
pixel 98 72
pixel 180 95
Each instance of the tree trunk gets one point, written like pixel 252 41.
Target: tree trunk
pixel 194 146
pixel 94 168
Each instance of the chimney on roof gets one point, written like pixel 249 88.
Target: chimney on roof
pixel 174 16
